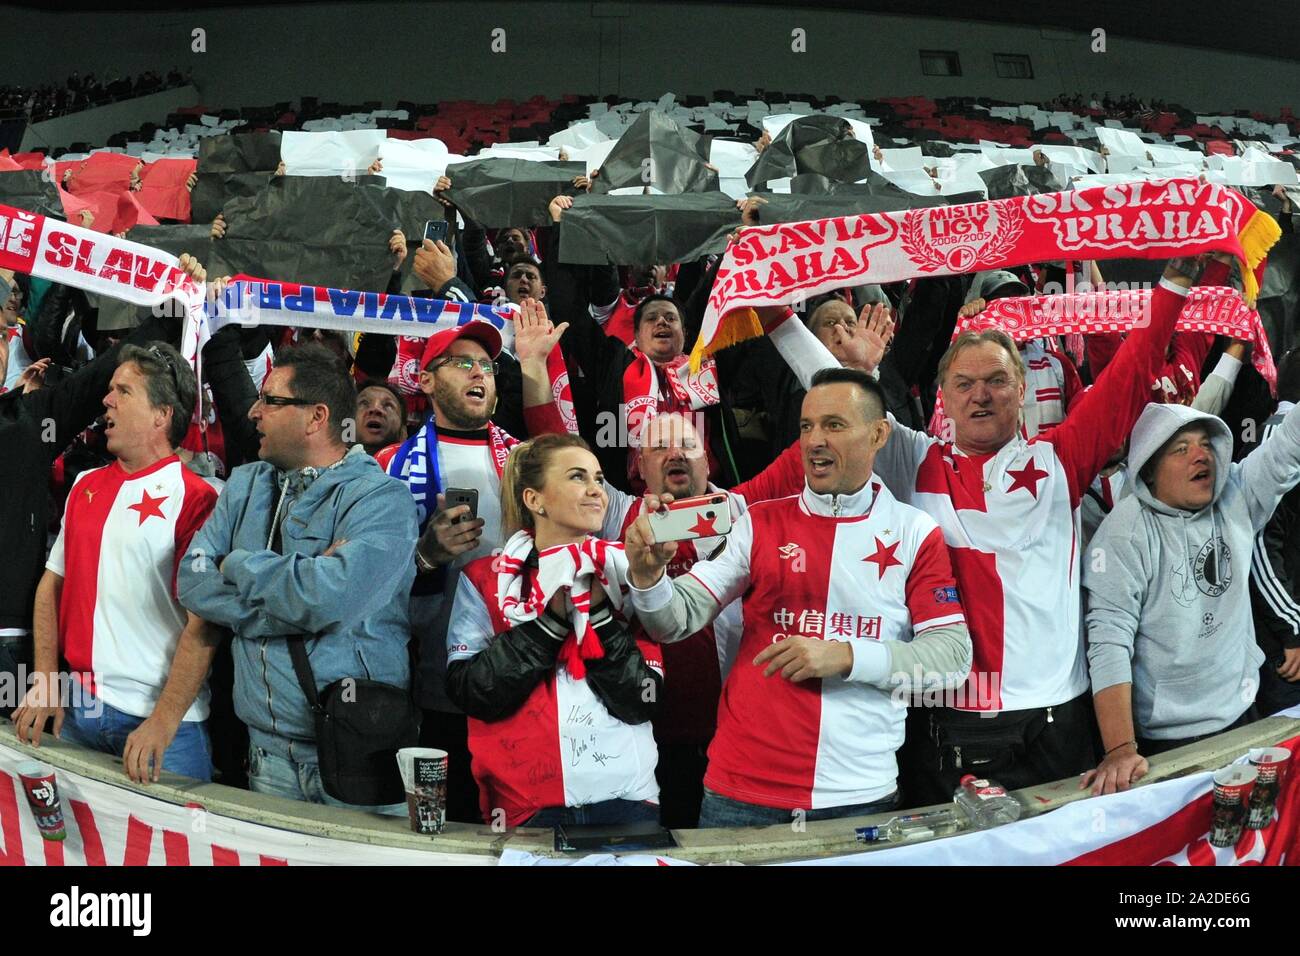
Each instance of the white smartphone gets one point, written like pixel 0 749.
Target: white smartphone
pixel 703 516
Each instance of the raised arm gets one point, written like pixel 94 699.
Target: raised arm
pixel 671 610
pixel 1103 416
pixel 1272 469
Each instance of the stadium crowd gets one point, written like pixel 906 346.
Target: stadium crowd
pixel 82 93
pixel 1086 567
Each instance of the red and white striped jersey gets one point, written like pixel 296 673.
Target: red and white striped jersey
pixel 562 748
pixel 118 549
pixel 1051 384
pixel 1011 521
pixel 882 574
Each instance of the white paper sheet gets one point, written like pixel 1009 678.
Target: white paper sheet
pixel 330 153
pixel 908 158
pixel 732 159
pixel 413 164
pixel 1239 171
pixel 1121 142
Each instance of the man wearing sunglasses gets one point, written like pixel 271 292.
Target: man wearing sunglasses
pixel 312 540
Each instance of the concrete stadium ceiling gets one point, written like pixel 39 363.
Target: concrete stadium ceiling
pixel 1260 27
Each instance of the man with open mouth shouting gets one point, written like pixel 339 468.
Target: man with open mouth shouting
pixel 1171 640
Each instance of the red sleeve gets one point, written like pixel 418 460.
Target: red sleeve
pixel 200 499
pixel 1100 348
pixel 1190 350
pixel 544 420
pixel 782 478
pixel 932 596
pixel 1105 414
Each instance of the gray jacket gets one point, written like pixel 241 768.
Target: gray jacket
pixel 352 604
pixel 1168 601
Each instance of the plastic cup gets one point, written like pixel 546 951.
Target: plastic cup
pixel 43 797
pixel 424 777
pixel 1270 765
pixel 1232 785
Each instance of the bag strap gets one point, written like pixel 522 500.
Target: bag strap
pixel 297 643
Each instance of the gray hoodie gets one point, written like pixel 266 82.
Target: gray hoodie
pixel 1168 600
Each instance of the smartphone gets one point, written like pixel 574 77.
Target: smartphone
pixel 56 373
pixel 436 230
pixel 612 836
pixel 703 516
pixel 462 496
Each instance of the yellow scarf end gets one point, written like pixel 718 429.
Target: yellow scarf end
pixel 734 328
pixel 1256 239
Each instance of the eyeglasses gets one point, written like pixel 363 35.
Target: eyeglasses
pixel 466 364
pixel 277 401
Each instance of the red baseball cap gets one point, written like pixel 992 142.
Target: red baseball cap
pixel 484 333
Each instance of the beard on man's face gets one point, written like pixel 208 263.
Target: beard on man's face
pixel 457 410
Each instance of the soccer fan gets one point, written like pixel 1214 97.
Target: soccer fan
pixel 672 461
pixel 558 685
pixel 1171 643
pixel 1051 380
pixel 1008 508
pixel 314 540
pixel 458 446
pixel 36 426
pixel 107 602
pixel 856 341
pixel 381 416
pixel 845 592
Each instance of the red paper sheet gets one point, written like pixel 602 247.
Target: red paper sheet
pixel 163 193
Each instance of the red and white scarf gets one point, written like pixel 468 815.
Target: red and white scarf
pixel 1215 310
pixel 570 568
pixel 686 390
pixel 776 264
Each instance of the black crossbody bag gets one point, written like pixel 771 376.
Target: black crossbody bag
pixel 360 724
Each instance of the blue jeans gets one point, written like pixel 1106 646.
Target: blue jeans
pixel 720 811
pixel 607 811
pixel 281 777
pixel 101 727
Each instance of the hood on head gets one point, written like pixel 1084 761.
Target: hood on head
pixel 1156 425
pixel 986 283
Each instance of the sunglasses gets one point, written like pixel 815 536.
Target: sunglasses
pixel 162 356
pixel 279 401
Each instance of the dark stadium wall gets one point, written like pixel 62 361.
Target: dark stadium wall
pixel 424 52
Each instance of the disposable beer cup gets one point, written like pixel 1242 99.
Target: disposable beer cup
pixel 424 777
pixel 1270 764
pixel 1231 787
pixel 43 797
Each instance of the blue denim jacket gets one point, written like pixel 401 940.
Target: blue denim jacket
pixel 353 604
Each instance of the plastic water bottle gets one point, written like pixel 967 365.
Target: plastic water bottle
pixel 985 803
pixel 910 826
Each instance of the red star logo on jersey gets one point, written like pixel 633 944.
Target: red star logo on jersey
pixel 703 527
pixel 1027 478
pixel 147 506
pixel 884 558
